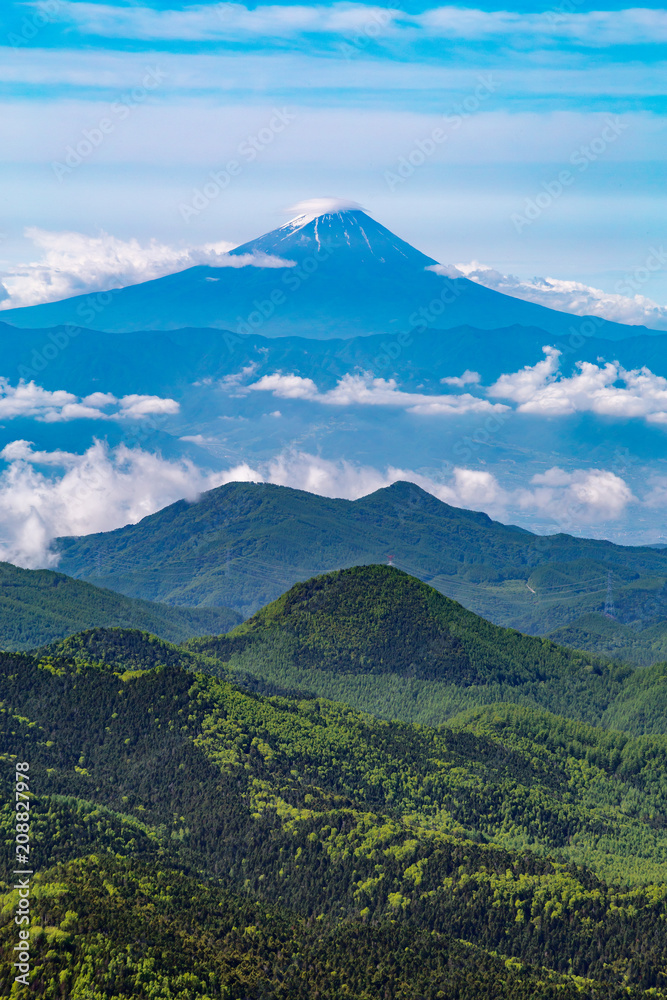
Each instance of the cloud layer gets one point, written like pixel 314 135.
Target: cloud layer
pixel 75 263
pixel 605 389
pixel 30 400
pixel 234 21
pixel 573 296
pixel 365 390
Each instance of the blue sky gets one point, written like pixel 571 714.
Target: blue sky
pixel 365 85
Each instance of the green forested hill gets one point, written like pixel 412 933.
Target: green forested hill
pixel 389 644
pixel 192 840
pixel 380 620
pixel 38 606
pixel 244 544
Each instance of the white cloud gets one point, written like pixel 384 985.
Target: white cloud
pixel 311 208
pixel 234 21
pixel 135 406
pixel 593 388
pixel 223 21
pixel 29 400
pixel 468 378
pixel 365 390
pixel 97 491
pixel 594 28
pixel 75 263
pixel 573 296
pixel 471 488
pixel 586 496
pixel 196 439
pixel 570 499
pixel 234 383
pixel 657 496
pixel 287 386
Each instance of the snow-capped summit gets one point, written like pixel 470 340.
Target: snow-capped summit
pixel 340 230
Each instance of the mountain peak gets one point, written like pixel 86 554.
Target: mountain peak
pixel 342 234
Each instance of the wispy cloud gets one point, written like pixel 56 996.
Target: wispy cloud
pixel 593 388
pixel 225 21
pixel 365 390
pixel 75 263
pixel 573 296
pixel 234 21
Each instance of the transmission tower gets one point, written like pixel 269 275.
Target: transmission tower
pixel 609 600
pixel 390 560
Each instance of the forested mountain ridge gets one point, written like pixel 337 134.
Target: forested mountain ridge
pixel 242 545
pixel 359 858
pixel 39 606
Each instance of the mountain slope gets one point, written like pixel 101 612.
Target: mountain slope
pixel 640 646
pixel 244 544
pixel 38 606
pixel 191 840
pixel 387 289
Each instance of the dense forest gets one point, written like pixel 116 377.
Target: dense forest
pixel 205 823
pixel 195 839
pixel 38 606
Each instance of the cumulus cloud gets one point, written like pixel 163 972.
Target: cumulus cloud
pixel 571 500
pixel 30 400
pixel 136 406
pixel 349 480
pixel 584 496
pixel 365 390
pixel 75 263
pixel 573 296
pixel 593 388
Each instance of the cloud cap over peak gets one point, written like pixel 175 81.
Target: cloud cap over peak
pixel 312 208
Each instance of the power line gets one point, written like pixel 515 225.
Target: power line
pixel 609 601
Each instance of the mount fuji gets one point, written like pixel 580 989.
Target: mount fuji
pixel 332 271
